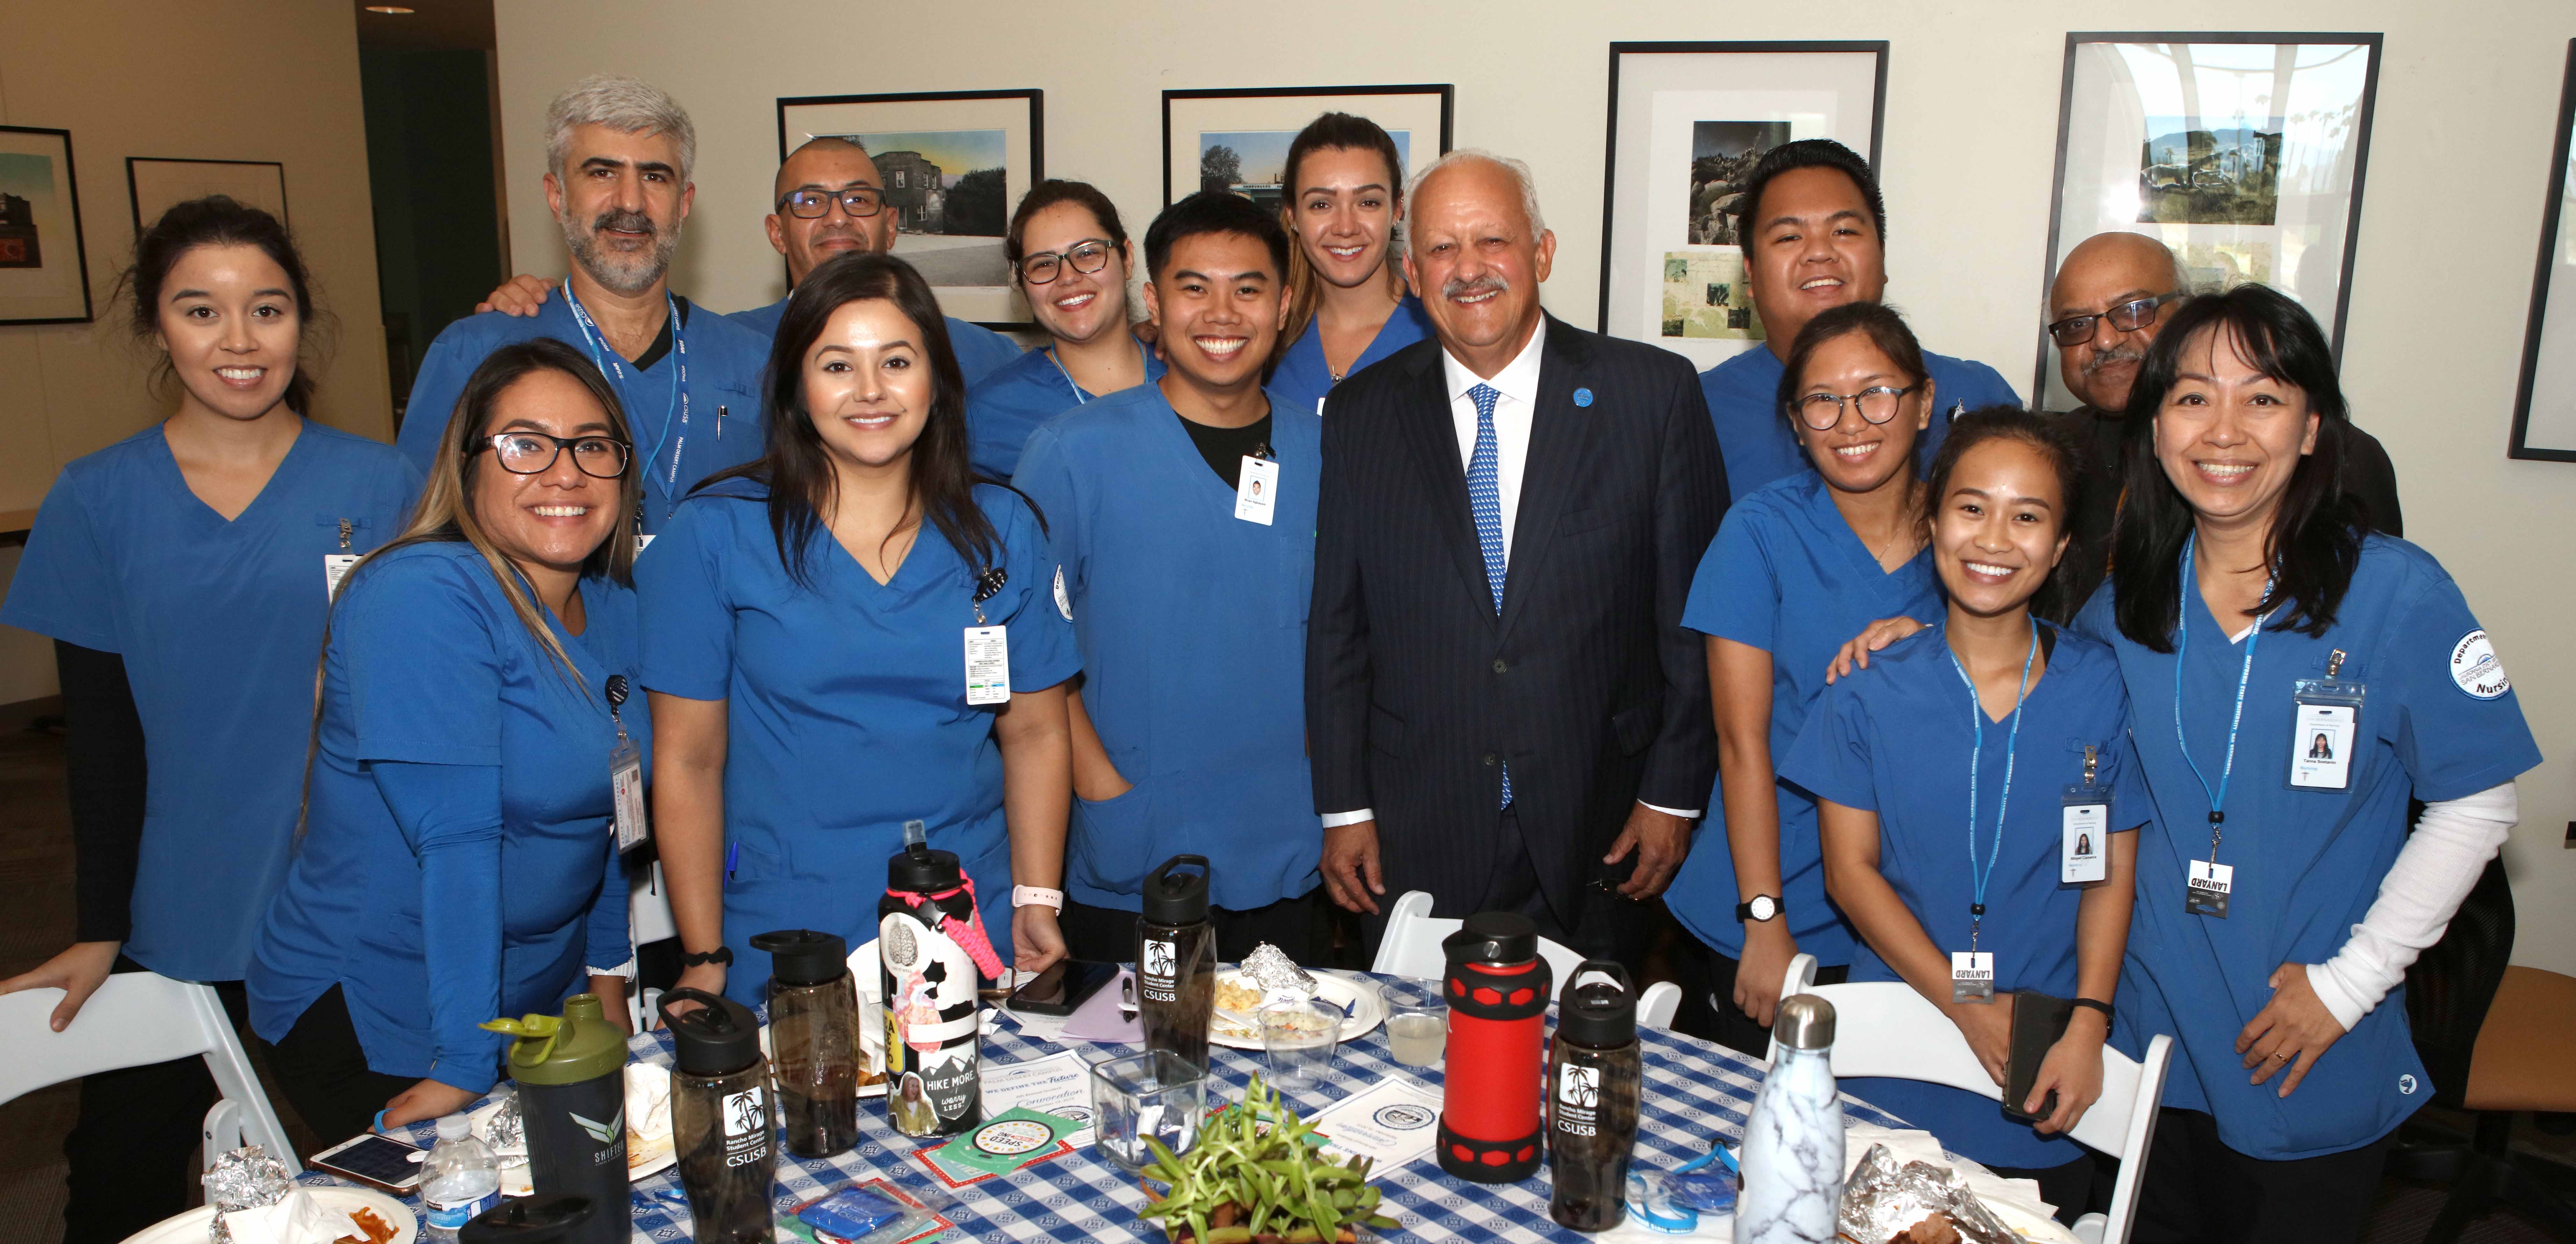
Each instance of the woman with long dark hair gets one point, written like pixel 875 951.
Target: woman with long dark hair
pixel 1347 307
pixel 1071 258
pixel 183 574
pixel 2280 899
pixel 849 637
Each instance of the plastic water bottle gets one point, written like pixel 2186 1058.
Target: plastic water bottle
pixel 458 1180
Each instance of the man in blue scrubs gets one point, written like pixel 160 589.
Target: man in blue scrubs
pixel 1814 229
pixel 1183 515
pixel 618 156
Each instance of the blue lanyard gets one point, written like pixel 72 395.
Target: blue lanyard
pixel 2182 646
pixel 1977 714
pixel 609 364
pixel 1081 398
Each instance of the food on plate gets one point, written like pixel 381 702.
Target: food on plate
pixel 1936 1229
pixel 1277 975
pixel 371 1229
pixel 1237 993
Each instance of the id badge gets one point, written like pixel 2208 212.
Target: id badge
pixel 2085 837
pixel 2205 891
pixel 1256 492
pixel 626 785
pixel 1972 976
pixel 988 665
pixel 2324 729
pixel 335 567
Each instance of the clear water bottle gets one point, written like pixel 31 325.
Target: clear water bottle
pixel 458 1180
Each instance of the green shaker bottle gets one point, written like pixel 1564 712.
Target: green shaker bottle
pixel 571 1073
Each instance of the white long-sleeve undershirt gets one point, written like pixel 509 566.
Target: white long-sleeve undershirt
pixel 2424 888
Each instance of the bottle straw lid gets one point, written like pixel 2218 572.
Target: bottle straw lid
pixel 1594 1013
pixel 803 957
pixel 1182 899
pixel 719 1038
pixel 579 1045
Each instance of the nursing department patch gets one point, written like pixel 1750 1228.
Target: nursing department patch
pixel 2476 670
pixel 1064 599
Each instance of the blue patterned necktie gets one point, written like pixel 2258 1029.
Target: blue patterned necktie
pixel 1485 498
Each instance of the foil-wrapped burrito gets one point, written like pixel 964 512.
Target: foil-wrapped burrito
pixel 245 1178
pixel 1884 1201
pixel 1277 975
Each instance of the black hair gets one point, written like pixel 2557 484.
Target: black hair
pixel 2044 433
pixel 2315 542
pixel 1881 324
pixel 1808 153
pixel 220 220
pixel 1214 211
pixel 1056 190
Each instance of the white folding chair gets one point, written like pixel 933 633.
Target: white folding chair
pixel 1411 948
pixel 1884 1028
pixel 134 1020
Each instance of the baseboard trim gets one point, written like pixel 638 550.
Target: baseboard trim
pixel 19 716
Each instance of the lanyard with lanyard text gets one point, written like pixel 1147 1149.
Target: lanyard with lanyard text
pixel 1972 972
pixel 610 365
pixel 2208 882
pixel 1080 396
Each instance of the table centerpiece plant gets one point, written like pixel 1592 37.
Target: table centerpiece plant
pixel 1258 1176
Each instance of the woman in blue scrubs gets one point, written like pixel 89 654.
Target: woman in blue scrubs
pixel 183 575
pixel 2281 899
pixel 458 857
pixel 1070 256
pixel 1981 727
pixel 1347 306
pixel 1797 567
pixel 851 636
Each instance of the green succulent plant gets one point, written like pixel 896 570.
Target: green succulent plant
pixel 1258 1169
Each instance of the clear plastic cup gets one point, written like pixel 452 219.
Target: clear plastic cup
pixel 1300 1038
pixel 1417 1023
pixel 1157 1094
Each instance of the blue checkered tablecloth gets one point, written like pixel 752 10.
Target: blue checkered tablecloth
pixel 1694 1090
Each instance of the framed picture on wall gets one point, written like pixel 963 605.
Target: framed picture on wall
pixel 952 164
pixel 152 186
pixel 2544 406
pixel 1237 139
pixel 2243 153
pixel 44 264
pixel 1687 123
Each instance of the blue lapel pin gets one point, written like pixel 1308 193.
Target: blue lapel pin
pixel 1583 397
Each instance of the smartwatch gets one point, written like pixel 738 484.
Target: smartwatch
pixel 1036 896
pixel 1763 907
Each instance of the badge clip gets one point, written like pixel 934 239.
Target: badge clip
pixel 2325 728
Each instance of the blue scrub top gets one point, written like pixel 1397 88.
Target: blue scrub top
pixel 2308 862
pixel 1302 379
pixel 1896 739
pixel 1006 406
pixel 429 666
pixel 1744 402
pixel 1787 575
pixel 980 350
pixel 1171 595
pixel 846 711
pixel 724 362
pixel 218 623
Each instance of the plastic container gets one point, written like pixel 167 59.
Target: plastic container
pixel 813 1033
pixel 720 1118
pixel 1176 960
pixel 458 1180
pixel 571 1073
pixel 1594 1078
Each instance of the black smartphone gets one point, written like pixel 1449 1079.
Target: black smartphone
pixel 376 1161
pixel 1059 989
pixel 2038 1021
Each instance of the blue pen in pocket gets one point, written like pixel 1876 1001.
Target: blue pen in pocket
pixel 733 859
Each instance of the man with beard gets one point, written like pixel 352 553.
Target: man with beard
pixel 2111 295
pixel 618 157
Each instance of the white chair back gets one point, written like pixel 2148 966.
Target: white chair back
pixel 1885 1028
pixel 1411 948
pixel 134 1020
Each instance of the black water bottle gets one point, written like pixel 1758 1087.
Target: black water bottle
pixel 1176 960
pixel 813 1032
pixel 1594 1077
pixel 720 1117
pixel 528 1220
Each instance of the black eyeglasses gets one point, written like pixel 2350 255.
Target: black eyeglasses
pixel 1088 255
pixel 860 202
pixel 2128 317
pixel 534 453
pixel 1878 404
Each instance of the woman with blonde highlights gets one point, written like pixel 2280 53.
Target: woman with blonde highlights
pixel 1347 307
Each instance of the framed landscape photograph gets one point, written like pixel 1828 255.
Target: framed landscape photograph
pixel 1687 122
pixel 2243 153
pixel 952 163
pixel 2544 404
pixel 44 263
pixel 153 185
pixel 1237 139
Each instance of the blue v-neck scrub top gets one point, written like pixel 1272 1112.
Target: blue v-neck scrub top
pixel 490 897
pixel 1303 379
pixel 219 624
pixel 1007 405
pixel 2439 721
pixel 1896 739
pixel 1172 596
pixel 845 707
pixel 1787 575
pixel 1744 402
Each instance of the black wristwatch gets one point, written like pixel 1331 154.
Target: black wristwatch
pixel 1763 907
pixel 721 955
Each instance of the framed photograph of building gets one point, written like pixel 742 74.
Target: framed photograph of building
pixel 152 186
pixel 2544 406
pixel 1237 139
pixel 2243 153
pixel 1687 123
pixel 952 163
pixel 44 263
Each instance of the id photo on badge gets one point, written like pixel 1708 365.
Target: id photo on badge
pixel 2321 747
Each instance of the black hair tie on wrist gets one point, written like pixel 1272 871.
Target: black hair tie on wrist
pixel 2096 1005
pixel 719 955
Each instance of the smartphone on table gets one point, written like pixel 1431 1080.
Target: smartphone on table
pixel 1062 987
pixel 380 1162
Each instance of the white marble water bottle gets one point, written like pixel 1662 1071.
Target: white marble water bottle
pixel 1793 1145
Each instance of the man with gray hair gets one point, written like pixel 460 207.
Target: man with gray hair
pixel 618 157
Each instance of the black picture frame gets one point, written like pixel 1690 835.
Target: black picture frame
pixel 80 240
pixel 2552 221
pixel 135 165
pixel 1447 92
pixel 2047 359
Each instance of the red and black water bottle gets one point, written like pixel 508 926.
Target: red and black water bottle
pixel 1497 988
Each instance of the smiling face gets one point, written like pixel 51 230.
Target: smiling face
pixel 229 323
pixel 1814 246
pixel 557 517
pixel 2228 436
pixel 1075 306
pixel 620 201
pixel 1476 261
pixel 1856 455
pixel 1345 213
pixel 868 385
pixel 2100 273
pixel 1998 527
pixel 1220 304
pixel 828 167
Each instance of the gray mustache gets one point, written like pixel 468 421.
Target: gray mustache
pixel 630 222
pixel 1455 288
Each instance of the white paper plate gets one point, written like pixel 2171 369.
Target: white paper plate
pixel 1366 1010
pixel 191 1227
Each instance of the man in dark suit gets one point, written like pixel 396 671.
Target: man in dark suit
pixel 1503 707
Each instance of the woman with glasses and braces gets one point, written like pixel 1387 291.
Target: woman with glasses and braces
pixel 458 856
pixel 1070 256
